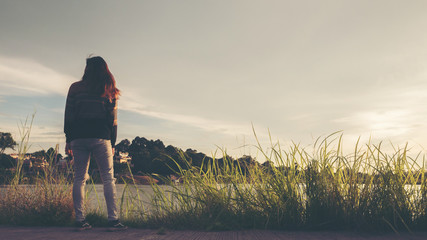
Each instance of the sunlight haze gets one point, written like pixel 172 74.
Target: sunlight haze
pixel 200 74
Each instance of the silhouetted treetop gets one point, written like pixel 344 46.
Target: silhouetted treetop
pixel 6 141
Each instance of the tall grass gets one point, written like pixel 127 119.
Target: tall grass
pixel 322 190
pixel 46 202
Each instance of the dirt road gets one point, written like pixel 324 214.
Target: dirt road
pixel 64 233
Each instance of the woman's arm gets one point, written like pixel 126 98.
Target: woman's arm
pixel 112 110
pixel 68 119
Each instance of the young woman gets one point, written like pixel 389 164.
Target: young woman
pixel 90 128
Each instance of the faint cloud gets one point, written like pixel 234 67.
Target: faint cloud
pixel 130 103
pixel 384 124
pixel 26 77
pixel 58 110
pixel 23 77
pixel 42 134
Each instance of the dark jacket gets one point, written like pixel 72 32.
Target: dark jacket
pixel 88 115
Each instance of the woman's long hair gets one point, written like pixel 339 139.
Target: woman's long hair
pixel 99 79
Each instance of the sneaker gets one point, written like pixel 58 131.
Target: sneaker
pixel 83 225
pixel 115 226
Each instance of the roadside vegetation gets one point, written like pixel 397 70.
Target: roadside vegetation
pixel 47 201
pixel 296 188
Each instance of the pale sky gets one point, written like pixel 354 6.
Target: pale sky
pixel 198 74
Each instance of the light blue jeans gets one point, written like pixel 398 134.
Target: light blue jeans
pixel 102 152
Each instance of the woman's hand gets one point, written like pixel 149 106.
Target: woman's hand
pixel 68 150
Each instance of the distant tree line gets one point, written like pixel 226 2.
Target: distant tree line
pixel 150 156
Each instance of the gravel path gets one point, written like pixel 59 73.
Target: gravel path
pixel 62 233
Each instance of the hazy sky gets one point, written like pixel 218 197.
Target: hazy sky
pixel 197 74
